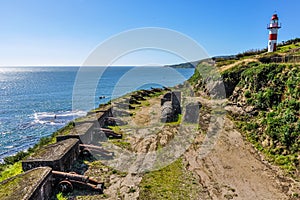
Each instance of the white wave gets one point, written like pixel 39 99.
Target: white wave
pixel 56 118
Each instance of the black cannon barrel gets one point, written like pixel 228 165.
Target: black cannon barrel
pixel 69 176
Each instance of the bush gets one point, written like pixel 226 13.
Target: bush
pixel 10 160
pixel 247 94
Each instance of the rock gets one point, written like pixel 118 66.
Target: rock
pixel 163 140
pixel 192 112
pixel 152 147
pixel 216 89
pixel 266 143
pixel 167 114
pixel 249 109
pixel 235 110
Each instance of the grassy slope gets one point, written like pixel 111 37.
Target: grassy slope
pixel 273 90
pixel 171 182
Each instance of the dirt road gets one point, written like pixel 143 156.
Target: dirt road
pixel 234 170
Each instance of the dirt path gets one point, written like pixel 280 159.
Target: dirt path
pixel 234 170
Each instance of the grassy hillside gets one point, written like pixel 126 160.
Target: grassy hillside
pixel 271 93
pixel 265 89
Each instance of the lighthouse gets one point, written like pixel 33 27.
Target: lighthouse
pixel 273 30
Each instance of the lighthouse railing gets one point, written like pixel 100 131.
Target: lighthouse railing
pixel 270 26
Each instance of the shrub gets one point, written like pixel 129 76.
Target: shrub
pixel 10 160
pixel 247 94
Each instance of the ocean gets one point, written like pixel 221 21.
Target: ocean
pixel 31 97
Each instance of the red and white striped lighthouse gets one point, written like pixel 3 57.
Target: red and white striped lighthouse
pixel 273 30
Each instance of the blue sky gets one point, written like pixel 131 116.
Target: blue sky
pixel 65 32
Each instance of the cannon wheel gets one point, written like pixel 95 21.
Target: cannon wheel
pixel 65 186
pixel 86 152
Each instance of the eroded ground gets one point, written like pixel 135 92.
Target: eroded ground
pixel 218 164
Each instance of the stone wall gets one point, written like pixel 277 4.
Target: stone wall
pixel 170 106
pixel 59 156
pixel 37 181
pixel 31 185
pixel 82 131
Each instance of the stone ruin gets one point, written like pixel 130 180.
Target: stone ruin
pixel 170 107
pixel 59 156
pixel 30 185
pixel 192 112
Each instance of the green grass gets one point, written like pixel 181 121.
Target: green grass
pixel 11 170
pixel 273 90
pixel 286 48
pixel 220 63
pixel 157 94
pixel 178 122
pixel 60 196
pixel 145 103
pixel 116 129
pixel 121 143
pixel 172 182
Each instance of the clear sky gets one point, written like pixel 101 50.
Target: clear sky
pixel 64 32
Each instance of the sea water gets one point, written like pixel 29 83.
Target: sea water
pixel 36 101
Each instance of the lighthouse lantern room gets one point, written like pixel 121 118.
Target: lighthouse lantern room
pixel 273 30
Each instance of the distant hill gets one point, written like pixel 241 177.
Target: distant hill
pixel 183 65
pixel 188 64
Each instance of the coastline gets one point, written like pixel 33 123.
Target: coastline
pixel 235 138
pixel 25 120
pixel 11 165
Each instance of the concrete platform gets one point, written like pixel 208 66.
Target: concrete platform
pixel 59 156
pixel 31 185
pixel 82 131
pixel 85 126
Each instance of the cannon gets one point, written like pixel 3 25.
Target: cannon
pixel 156 89
pixel 137 97
pixel 88 150
pixel 124 106
pixel 148 92
pixel 166 88
pixel 113 121
pixel 108 132
pixel 67 182
pixel 143 93
pixel 133 101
